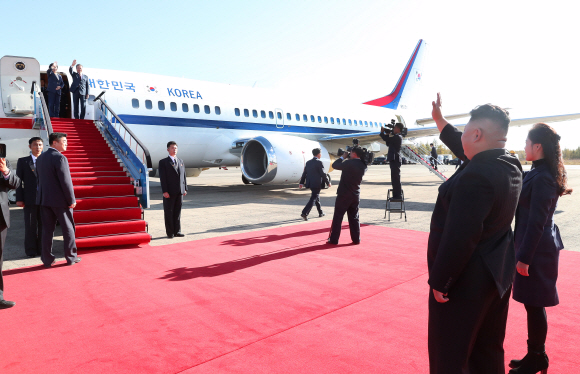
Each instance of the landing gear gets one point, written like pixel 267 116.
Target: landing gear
pixel 245 180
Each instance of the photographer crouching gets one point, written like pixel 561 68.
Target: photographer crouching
pixel 393 137
pixel 353 163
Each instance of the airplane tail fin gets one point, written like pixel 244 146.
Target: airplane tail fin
pixel 410 78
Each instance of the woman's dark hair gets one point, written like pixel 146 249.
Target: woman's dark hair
pixel 550 141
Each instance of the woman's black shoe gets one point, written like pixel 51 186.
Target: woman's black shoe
pixel 532 363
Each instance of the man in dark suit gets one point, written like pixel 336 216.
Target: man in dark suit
pixel 394 140
pixel 314 176
pixel 79 89
pixel 26 198
pixel 348 194
pixel 56 198
pixel 174 187
pixel 433 157
pixel 470 254
pixel 8 181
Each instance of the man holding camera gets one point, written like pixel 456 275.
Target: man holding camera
pixel 348 194
pixel 394 139
pixel 314 176
pixel 8 181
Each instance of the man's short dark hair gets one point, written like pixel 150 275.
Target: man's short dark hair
pixel 316 151
pixel 494 113
pixel 431 144
pixel 79 65
pixel 400 126
pixel 169 144
pixel 34 139
pixel 359 151
pixel 55 136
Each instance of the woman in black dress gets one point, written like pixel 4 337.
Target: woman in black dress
pixel 538 242
pixel 55 84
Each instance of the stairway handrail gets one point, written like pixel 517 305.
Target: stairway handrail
pixel 149 164
pixel 44 108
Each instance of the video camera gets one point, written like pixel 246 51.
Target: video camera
pixel 389 127
pixel 367 156
pixel 2 150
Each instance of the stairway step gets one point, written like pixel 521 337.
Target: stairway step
pixel 109 228
pixel 96 168
pixel 86 158
pixel 107 203
pixel 114 240
pixel 108 190
pixel 77 164
pixel 88 174
pixel 94 181
pixel 106 215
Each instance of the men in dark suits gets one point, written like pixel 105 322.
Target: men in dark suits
pixel 55 85
pixel 433 157
pixel 56 197
pixel 174 187
pixel 314 176
pixel 79 89
pixel 470 254
pixel 8 180
pixel 26 198
pixel 348 194
pixel 394 140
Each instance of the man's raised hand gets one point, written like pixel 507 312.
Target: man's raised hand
pixel 74 62
pixel 437 114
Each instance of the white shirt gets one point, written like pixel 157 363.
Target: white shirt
pixel 173 159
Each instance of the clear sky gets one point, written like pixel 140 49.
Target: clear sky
pixel 518 54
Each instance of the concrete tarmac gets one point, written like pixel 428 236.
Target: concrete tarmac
pixel 219 204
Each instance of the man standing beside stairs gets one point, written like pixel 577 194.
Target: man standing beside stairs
pixel 174 187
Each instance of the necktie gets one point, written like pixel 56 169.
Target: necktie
pixel 174 164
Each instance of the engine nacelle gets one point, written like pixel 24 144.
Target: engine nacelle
pixel 278 158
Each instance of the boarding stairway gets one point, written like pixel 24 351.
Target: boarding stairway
pixel 409 152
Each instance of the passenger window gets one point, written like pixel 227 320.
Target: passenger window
pixel 263 114
pixel 135 103
pixel 325 119
pixel 218 110
pixel 161 105
pixel 246 113
pixel 355 122
pixel 173 106
pixel 185 107
pixel 148 104
pixel 319 119
pixel 297 117
pixel 305 117
pixel 279 115
pixel 271 114
pixel 255 113
pixel 344 121
pixel 237 111
pixel 196 108
pixel 366 123
pixel 350 122
pixel 206 109
pixel 332 120
pixel 288 116
pixel 311 118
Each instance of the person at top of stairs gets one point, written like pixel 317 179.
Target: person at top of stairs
pixel 79 89
pixel 57 199
pixel 174 187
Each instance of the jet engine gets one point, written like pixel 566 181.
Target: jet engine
pixel 278 158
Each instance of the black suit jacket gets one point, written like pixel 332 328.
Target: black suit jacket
pixel 314 174
pixel 353 171
pixel 27 173
pixel 5 185
pixel 53 81
pixel 470 239
pixel 173 182
pixel 80 86
pixel 55 187
pixel 394 143
pixel 433 152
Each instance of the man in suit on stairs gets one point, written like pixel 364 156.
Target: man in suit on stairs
pixel 174 187
pixel 26 198
pixel 56 197
pixel 314 177
pixel 79 89
pixel 8 180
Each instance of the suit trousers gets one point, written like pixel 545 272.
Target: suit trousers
pixel 3 232
pixel 346 203
pixel 80 101
pixel 466 335
pixel 172 213
pixel 396 178
pixel 314 199
pixel 53 104
pixel 49 215
pixel 32 230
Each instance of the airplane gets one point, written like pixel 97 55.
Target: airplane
pixel 269 135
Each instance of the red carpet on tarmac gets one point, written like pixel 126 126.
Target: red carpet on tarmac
pixel 271 301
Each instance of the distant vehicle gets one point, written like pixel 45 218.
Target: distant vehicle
pixel 380 160
pixel 455 161
pixel 406 160
pixel 444 159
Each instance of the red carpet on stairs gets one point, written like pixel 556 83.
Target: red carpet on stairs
pixel 107 211
pixel 270 301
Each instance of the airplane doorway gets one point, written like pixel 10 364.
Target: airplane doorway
pixel 65 99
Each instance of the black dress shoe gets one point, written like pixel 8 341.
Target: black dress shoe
pixel 170 236
pixel 77 260
pixel 5 304
pixel 51 264
pixel 396 199
pixel 356 243
pixel 179 235
pixel 305 217
pixel 321 215
pixel 329 242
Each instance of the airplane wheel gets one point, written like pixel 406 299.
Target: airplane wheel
pixel 245 180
